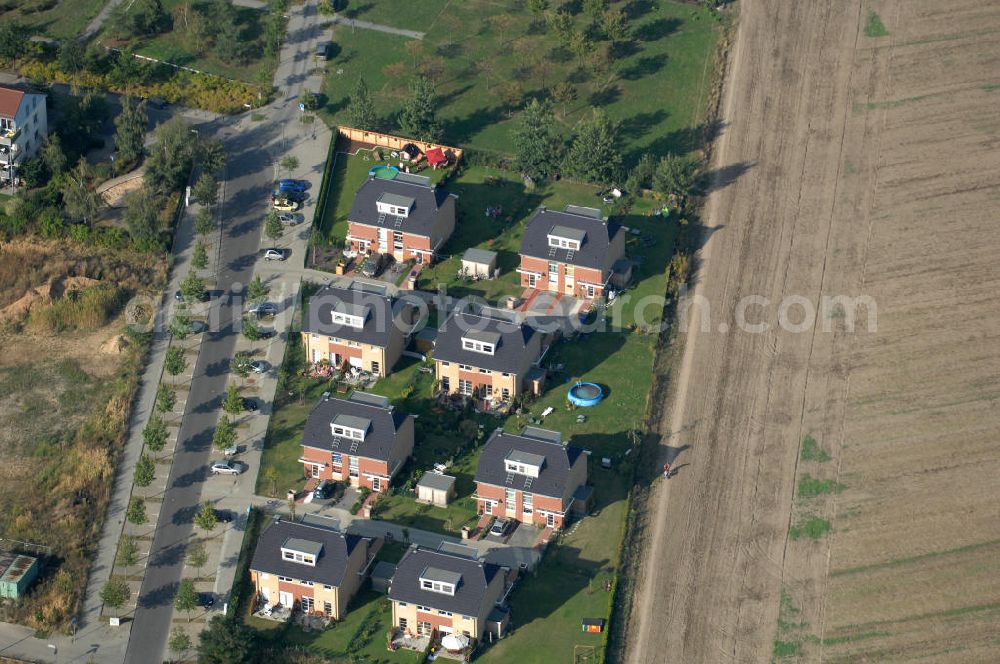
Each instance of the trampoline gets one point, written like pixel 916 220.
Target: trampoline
pixel 585 394
pixel 383 172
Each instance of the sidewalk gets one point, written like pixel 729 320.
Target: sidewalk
pixel 309 142
pixel 94 636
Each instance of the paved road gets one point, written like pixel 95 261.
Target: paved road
pixel 253 147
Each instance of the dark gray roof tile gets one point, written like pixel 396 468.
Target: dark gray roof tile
pixel 380 313
pixel 380 436
pixel 468 597
pixel 510 347
pixel 552 479
pixel 332 561
pixel 592 253
pixel 427 202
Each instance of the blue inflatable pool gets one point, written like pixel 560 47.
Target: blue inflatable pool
pixel 585 394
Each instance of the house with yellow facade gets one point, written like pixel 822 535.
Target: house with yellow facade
pixel 444 593
pixel 355 327
pixel 485 356
pixel 308 567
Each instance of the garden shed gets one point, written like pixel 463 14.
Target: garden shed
pixel 16 574
pixel 436 489
pixel 479 262
pixel 382 575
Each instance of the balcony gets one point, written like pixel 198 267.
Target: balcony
pixel 8 136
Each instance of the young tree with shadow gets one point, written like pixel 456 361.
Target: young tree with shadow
pixel 154 435
pixel 225 434
pixel 205 518
pixel 114 594
pixel 186 598
pixel 175 363
pixel 197 556
pixel 233 403
pixel 127 554
pixel 136 511
pixel 145 471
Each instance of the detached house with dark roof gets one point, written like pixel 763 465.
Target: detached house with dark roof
pixel 407 217
pixel 23 128
pixel 361 440
pixel 354 327
pixel 531 477
pixel 489 358
pixel 450 594
pixel 315 569
pixel 573 252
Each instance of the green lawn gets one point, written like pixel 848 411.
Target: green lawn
pixel 398 13
pixel 359 637
pixel 174 47
pixel 656 85
pixel 294 399
pixel 60 20
pixel 569 584
pixel 438 440
pixel 479 188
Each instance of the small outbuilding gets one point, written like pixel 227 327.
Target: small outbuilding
pixel 423 341
pixel 621 273
pixel 593 625
pixel 436 489
pixel 479 262
pixel 436 158
pixel 382 576
pixel 17 572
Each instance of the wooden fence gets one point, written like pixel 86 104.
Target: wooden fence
pixel 393 142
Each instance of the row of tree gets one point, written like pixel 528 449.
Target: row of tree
pixel 592 152
pixel 214 27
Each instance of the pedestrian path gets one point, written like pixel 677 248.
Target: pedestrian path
pixel 378 27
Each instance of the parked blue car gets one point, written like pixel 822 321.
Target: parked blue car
pixel 297 186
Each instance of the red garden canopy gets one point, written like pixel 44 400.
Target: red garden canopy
pixel 435 157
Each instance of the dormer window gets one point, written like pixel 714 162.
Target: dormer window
pixel 524 463
pixel 300 551
pixel 441 581
pixel 350 314
pixel 478 346
pixel 481 342
pixel 394 204
pixel 348 426
pixel 356 322
pixel 571 239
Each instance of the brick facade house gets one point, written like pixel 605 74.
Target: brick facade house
pixel 573 252
pixel 486 357
pixel 408 218
pixel 315 569
pixel 434 591
pixel 354 327
pixel 362 440
pixel 530 477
